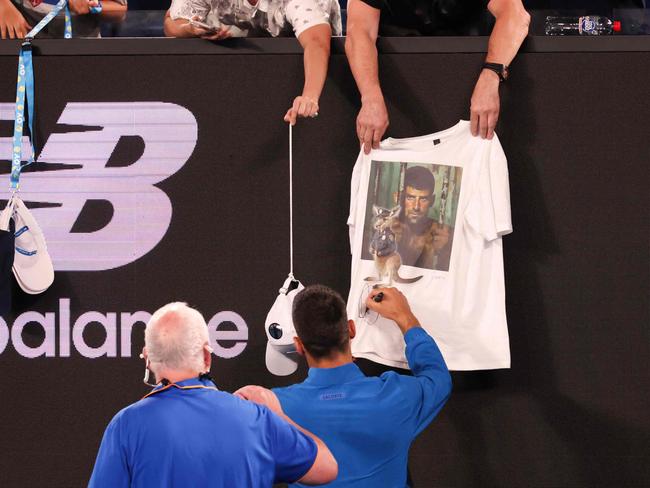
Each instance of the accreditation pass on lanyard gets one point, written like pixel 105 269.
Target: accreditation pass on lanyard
pixel 25 90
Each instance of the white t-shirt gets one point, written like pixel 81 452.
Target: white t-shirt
pixel 451 239
pixel 273 16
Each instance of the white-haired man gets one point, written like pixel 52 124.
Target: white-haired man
pixel 186 432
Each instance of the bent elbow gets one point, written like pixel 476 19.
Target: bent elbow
pixel 512 13
pixel 324 470
pixel 447 386
pixel 332 472
pixel 443 385
pixel 316 39
pixel 323 44
pixel 168 28
pixel 331 468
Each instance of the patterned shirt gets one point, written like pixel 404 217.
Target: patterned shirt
pixel 275 17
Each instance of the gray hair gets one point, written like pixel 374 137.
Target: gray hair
pixel 175 337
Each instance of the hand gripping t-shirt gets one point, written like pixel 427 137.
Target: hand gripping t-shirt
pixel 276 17
pixel 426 216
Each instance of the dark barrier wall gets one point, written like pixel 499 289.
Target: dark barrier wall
pixel 186 192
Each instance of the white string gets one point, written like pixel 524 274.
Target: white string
pixel 291 201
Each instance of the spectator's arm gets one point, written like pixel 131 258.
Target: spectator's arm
pixel 181 28
pixel 176 27
pixel 510 30
pixel 361 50
pixel 12 24
pixel 113 11
pixel 324 468
pixel 316 44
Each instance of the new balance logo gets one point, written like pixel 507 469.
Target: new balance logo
pixel 62 333
pixel 81 175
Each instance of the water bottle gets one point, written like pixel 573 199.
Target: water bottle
pixel 590 25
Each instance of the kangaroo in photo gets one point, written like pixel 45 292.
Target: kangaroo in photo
pixel 383 247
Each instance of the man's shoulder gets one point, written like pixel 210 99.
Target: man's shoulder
pixel 287 391
pixel 302 391
pixel 128 415
pixel 135 409
pixel 395 378
pixel 159 400
pixel 154 407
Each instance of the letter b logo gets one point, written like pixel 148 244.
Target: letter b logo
pixel 141 212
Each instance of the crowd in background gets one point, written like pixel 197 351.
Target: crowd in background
pixel 145 18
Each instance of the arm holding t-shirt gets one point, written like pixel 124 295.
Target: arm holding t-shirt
pixel 510 30
pixel 361 50
pixel 325 467
pixel 432 380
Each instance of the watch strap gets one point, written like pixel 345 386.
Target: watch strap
pixel 500 69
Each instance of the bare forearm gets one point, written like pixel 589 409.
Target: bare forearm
pixel 113 11
pixel 361 51
pixel 176 28
pixel 406 321
pixel 316 59
pixel 510 30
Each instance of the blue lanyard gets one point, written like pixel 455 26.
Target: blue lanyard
pixel 63 4
pixel 25 92
pixel 25 84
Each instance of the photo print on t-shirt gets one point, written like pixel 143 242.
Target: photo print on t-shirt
pixel 410 216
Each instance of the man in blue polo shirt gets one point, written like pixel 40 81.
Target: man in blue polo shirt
pixel 369 423
pixel 186 432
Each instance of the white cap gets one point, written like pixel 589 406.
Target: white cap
pixel 32 264
pixel 7 214
pixel 281 356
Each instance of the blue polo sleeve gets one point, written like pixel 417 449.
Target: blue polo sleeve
pixel 111 467
pixel 293 451
pixel 431 379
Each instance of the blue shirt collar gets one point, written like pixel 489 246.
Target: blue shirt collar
pixel 333 376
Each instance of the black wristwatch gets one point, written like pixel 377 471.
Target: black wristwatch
pixel 500 69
